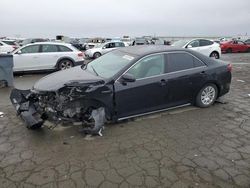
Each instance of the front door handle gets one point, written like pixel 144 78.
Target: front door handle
pixel 163 82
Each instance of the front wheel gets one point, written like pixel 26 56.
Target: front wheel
pixel 207 96
pixel 229 50
pixel 96 55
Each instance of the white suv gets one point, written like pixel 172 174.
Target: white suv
pixel 103 48
pixel 204 46
pixel 5 48
pixel 46 56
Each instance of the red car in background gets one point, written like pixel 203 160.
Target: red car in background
pixel 234 46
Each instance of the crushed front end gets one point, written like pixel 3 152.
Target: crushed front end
pixel 68 104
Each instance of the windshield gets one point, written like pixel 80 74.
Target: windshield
pixel 109 64
pixel 180 43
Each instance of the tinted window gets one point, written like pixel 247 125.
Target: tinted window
pixel 194 44
pixel 182 61
pixel 197 62
pixel 30 49
pixel 241 43
pixel 119 44
pixel 149 66
pixel 64 49
pixel 205 42
pixel 49 48
pixel 9 42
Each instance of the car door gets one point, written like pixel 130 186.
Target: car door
pixel 49 56
pixel 108 47
pixel 242 47
pixel 205 47
pixel 27 58
pixel 184 76
pixel 194 45
pixel 148 92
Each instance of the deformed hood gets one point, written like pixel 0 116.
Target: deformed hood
pixel 57 80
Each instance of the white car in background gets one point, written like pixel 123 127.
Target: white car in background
pixel 46 56
pixel 5 48
pixel 103 48
pixel 204 46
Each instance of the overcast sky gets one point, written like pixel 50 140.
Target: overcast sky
pixel 112 18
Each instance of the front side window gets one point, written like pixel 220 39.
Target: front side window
pixel 149 66
pixel 110 64
pixel 30 49
pixel 194 44
pixel 49 48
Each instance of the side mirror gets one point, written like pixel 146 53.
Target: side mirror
pixel 128 78
pixel 104 47
pixel 189 46
pixel 19 52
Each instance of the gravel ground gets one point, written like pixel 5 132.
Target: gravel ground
pixel 187 147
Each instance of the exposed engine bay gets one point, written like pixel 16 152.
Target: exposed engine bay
pixel 68 104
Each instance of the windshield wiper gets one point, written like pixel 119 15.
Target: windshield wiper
pixel 94 70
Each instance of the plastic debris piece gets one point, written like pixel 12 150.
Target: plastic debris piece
pixel 248 95
pixel 1 114
pixel 241 81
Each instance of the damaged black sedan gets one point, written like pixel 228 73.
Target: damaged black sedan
pixel 124 83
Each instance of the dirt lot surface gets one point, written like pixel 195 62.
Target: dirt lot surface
pixel 187 147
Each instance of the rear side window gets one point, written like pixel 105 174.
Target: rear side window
pixel 49 48
pixel 205 42
pixel 119 44
pixel 64 49
pixel 181 61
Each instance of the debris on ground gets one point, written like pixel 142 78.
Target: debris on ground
pixel 241 81
pixel 1 114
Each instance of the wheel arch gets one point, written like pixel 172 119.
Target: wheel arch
pixel 64 58
pixel 215 51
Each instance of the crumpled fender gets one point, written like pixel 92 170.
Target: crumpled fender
pixel 25 108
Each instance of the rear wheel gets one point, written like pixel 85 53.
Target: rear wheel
pixel 96 55
pixel 207 96
pixel 229 50
pixel 65 64
pixel 215 55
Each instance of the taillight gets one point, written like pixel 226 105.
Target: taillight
pixel 229 67
pixel 80 54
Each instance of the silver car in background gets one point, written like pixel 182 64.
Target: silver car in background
pixel 101 49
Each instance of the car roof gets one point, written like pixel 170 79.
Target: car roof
pixel 53 43
pixel 142 50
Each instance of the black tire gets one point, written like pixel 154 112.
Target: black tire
pixel 215 55
pixel 96 55
pixel 229 50
pixel 248 50
pixel 65 64
pixel 207 96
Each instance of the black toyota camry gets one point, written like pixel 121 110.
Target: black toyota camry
pixel 124 83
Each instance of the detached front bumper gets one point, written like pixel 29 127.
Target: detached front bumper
pixel 25 106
